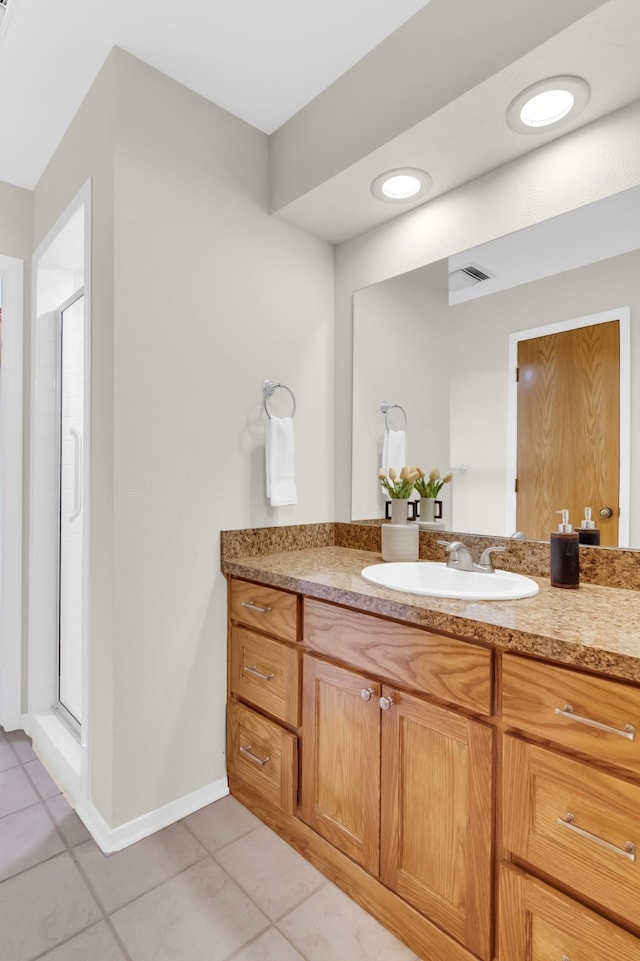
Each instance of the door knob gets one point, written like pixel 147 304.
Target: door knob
pixel 605 512
pixel 385 703
pixel 366 693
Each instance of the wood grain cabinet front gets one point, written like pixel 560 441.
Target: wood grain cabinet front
pixel 451 670
pixel 575 824
pixel 595 716
pixel 263 755
pixel 404 787
pixel 538 923
pixel 264 608
pixel 265 673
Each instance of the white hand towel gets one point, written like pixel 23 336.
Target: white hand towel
pixel 394 450
pixel 281 482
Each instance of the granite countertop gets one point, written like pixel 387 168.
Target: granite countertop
pixel 595 628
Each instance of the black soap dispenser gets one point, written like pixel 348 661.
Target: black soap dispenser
pixel 588 533
pixel 565 558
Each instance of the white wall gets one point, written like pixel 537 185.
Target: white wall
pixel 591 163
pixel 15 243
pixel 213 296
pixel 199 295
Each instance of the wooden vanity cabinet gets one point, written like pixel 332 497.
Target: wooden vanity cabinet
pixel 374 748
pixel 403 786
pixel 571 814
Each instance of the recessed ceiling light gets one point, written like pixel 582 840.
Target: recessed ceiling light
pixel 401 185
pixel 548 103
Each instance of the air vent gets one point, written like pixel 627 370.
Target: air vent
pixel 467 276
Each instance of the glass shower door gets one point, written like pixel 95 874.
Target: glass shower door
pixel 71 515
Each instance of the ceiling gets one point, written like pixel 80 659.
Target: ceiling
pixel 292 54
pixel 262 61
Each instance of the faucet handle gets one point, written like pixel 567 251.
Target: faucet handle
pixel 451 545
pixel 485 562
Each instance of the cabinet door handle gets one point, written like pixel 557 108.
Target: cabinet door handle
pixel 628 851
pixel 255 607
pixel 366 693
pixel 256 673
pixel 260 761
pixel 385 703
pixel 627 731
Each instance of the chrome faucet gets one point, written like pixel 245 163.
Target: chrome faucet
pixel 460 558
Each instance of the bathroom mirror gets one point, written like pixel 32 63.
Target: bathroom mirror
pixel 446 358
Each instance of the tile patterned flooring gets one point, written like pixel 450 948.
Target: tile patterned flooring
pixel 216 886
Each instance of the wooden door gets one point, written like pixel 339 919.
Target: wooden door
pixel 569 429
pixel 340 790
pixel 436 816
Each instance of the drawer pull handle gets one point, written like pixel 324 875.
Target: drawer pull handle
pixel 628 851
pixel 627 731
pixel 260 761
pixel 255 607
pixel 256 673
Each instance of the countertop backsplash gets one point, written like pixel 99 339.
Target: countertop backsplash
pixel 605 566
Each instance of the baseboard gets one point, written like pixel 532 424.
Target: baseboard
pixel 114 839
pixel 59 751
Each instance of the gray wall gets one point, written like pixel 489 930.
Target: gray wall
pixel 15 221
pixel 199 295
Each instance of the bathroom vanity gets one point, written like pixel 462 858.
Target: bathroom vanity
pixel 468 772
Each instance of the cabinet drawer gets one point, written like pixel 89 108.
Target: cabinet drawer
pixel 265 608
pixel 596 716
pixel 263 755
pixel 266 673
pixel 540 924
pixel 575 823
pixel 419 660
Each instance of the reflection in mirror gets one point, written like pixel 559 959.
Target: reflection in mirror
pixel 448 364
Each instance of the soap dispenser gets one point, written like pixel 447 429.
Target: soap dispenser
pixel 565 558
pixel 588 533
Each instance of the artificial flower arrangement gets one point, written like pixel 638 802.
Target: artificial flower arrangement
pixel 432 485
pixel 399 485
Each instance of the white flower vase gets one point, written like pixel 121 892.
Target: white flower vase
pixel 399 539
pixel 430 510
pixel 399 510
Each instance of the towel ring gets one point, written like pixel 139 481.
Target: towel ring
pixel 386 408
pixel 268 388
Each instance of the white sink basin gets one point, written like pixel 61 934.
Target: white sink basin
pixel 438 580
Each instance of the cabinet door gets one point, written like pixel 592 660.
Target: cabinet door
pixel 340 790
pixel 436 816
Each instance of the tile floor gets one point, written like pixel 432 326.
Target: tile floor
pixel 216 886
